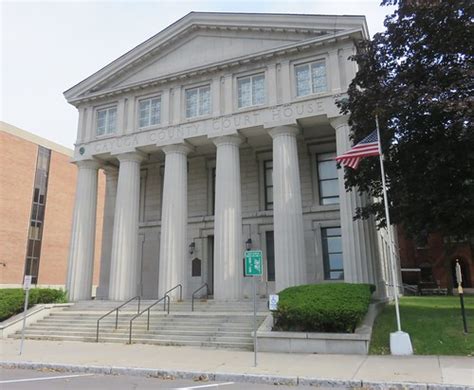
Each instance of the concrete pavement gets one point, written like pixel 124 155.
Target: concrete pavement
pixel 417 372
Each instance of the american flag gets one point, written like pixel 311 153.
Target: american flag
pixel 369 146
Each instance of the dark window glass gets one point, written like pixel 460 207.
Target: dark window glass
pixel 196 267
pixel 327 178
pixel 332 253
pixel 213 189
pixel 268 183
pixel 270 256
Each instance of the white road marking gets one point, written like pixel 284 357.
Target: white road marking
pixel 203 386
pixel 44 378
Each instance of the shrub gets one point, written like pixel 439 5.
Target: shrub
pixel 12 299
pixel 329 307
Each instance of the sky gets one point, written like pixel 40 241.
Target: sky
pixel 47 47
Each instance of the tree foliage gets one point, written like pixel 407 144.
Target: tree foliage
pixel 417 76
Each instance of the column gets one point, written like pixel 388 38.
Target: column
pixel 174 218
pixel 356 239
pixel 290 259
pixel 111 177
pixel 228 246
pixel 81 250
pixel 123 268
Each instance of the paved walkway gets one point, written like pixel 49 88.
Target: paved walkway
pixel 436 372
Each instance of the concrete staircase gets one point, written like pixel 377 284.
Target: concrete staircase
pixel 212 324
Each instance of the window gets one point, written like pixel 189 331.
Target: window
pixel 106 121
pixel 268 183
pixel 213 190
pixel 270 256
pixel 196 267
pixel 332 253
pixel 327 179
pixel 251 91
pixel 198 101
pixel 35 232
pixel 149 112
pixel 310 78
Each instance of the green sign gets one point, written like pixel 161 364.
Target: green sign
pixel 253 263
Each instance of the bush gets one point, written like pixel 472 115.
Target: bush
pixel 329 307
pixel 12 299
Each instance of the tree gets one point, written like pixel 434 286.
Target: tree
pixel 417 76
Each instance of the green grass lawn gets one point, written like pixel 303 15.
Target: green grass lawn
pixel 433 323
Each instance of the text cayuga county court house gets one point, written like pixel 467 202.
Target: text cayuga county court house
pixel 218 133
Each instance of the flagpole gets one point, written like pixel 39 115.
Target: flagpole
pixel 389 228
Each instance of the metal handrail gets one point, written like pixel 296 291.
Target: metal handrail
pixel 196 291
pixel 180 291
pixel 116 316
pixel 148 319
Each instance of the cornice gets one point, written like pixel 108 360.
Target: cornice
pixel 280 51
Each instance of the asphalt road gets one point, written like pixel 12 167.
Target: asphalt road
pixel 11 379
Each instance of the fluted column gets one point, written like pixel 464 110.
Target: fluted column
pixel 123 267
pixel 290 259
pixel 357 250
pixel 111 178
pixel 174 218
pixel 81 250
pixel 228 247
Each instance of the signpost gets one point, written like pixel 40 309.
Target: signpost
pixel 461 294
pixel 26 287
pixel 254 268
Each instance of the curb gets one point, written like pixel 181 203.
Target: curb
pixel 233 377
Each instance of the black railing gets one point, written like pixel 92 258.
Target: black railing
pixel 180 286
pixel 196 291
pixel 116 315
pixel 166 297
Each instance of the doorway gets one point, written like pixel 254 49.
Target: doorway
pixel 210 264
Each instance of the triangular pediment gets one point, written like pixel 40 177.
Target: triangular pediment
pixel 205 39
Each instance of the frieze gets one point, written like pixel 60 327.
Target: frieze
pixel 211 127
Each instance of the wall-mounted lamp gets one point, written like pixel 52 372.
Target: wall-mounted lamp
pixel 248 244
pixel 192 247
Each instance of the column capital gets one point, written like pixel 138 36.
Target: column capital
pixel 87 164
pixel 290 130
pixel 228 140
pixel 110 170
pixel 339 121
pixel 131 156
pixel 182 148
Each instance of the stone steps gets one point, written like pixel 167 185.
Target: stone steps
pixel 205 328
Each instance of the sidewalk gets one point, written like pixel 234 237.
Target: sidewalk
pixel 423 372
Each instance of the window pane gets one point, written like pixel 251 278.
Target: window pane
pixel 144 113
pixel 191 103
pixel 111 120
pixel 318 73
pixel 331 232
pixel 329 188
pixel 269 191
pixel 101 114
pixel 335 261
pixel 204 101
pixel 334 244
pixel 244 92
pixel 258 89
pixel 336 275
pixel 302 80
pixel 155 111
pixel 268 177
pixel 332 200
pixel 327 170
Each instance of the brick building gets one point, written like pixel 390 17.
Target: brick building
pixel 37 187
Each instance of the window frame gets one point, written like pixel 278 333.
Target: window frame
pixel 310 63
pixel 325 255
pixel 150 99
pixel 266 203
pixel 320 180
pixel 251 76
pixel 96 119
pixel 185 105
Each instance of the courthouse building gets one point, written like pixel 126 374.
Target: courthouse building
pixel 217 134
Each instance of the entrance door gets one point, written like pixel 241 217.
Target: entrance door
pixel 210 264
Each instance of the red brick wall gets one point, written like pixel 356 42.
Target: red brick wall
pixel 17 174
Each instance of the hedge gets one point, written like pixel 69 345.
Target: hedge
pixel 328 307
pixel 12 299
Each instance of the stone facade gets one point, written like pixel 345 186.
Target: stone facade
pixel 18 160
pixel 199 175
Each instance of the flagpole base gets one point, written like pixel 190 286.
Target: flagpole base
pixel 400 343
